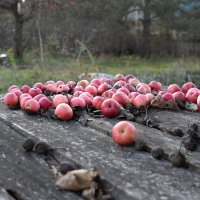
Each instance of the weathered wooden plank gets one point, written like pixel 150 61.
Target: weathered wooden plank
pixel 25 175
pixel 136 175
pixel 4 195
pixel 153 138
pixel 168 119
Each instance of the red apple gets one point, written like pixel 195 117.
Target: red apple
pixel 71 84
pixel 141 100
pixel 150 97
pixel 77 102
pixel 91 89
pixel 168 97
pixel 11 100
pixel 110 108
pixel 38 97
pixel 180 96
pixel 24 95
pixel 103 87
pixel 83 83
pixel 62 88
pixel 128 77
pixel 51 87
pixel 88 94
pixel 120 83
pixel 97 102
pixel 142 84
pixel 17 92
pixel 119 77
pixel 173 88
pixel 77 93
pixel 130 88
pixel 155 85
pixel 187 86
pixel 121 98
pixel 124 133
pixel 192 95
pixel 32 106
pixel 13 87
pixel 25 89
pixel 39 85
pixel 133 81
pixel 45 103
pixel 94 84
pixel 23 101
pixel 124 90
pixel 132 96
pixel 160 93
pixel 64 112
pixel 60 83
pixel 59 98
pixel 95 81
pixel 78 88
pixel 108 94
pixel 103 80
pixel 49 82
pixel 35 91
pixel 143 89
pixel 87 98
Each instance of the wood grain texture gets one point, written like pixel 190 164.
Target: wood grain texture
pixel 153 138
pixel 135 175
pixel 25 175
pixel 168 119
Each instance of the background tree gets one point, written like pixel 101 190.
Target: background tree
pixel 22 12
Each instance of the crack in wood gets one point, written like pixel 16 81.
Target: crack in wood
pixel 14 194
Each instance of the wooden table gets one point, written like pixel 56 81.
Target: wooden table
pixel 128 173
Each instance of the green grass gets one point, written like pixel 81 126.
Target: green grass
pixel 166 70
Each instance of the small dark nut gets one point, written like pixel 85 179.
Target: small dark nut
pixel 42 147
pixel 66 167
pixel 194 134
pixel 194 127
pixel 176 132
pixel 28 144
pixel 140 145
pixel 177 159
pixel 190 144
pixel 157 153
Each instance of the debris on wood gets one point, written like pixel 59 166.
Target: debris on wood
pixel 140 145
pixel 42 148
pixel 28 144
pixel 77 180
pixel 158 102
pixel 66 167
pixel 176 131
pixel 177 159
pixel 157 153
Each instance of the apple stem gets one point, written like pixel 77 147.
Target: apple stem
pixel 180 146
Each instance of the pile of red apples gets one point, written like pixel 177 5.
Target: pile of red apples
pixel 108 96
pixel 103 94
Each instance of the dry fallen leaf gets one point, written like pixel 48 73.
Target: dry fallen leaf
pixel 160 103
pixel 77 180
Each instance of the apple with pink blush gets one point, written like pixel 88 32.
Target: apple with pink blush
pixel 110 108
pixel 64 112
pixel 124 133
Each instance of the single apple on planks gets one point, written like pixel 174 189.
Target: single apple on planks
pixel 124 133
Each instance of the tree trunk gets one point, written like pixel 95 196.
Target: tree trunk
pixel 18 40
pixel 146 40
